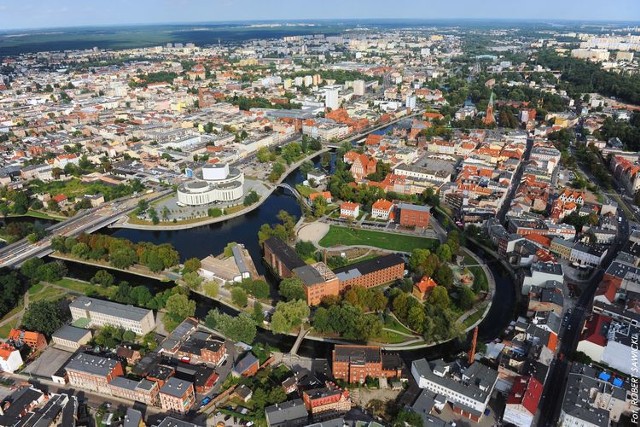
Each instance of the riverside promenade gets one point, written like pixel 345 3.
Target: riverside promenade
pixel 271 187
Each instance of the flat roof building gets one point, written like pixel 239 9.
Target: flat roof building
pixel 101 313
pixel 287 414
pixel 93 372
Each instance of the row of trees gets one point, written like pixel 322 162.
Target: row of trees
pixel 12 291
pixel 15 231
pixel 36 270
pixel 120 253
pixel 236 328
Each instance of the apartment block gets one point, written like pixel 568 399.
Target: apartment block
pixel 102 313
pixel 93 372
pixel 177 395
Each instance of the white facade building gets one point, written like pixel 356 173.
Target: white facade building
pixel 331 98
pixel 219 183
pixel 101 313
pixel 359 87
pixel 10 359
pixel 469 391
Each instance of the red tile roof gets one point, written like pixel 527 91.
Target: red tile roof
pixel 595 329
pixel 426 284
pixel 526 391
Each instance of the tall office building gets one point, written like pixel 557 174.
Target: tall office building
pixel 331 99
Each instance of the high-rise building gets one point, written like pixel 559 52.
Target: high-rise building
pixel 358 87
pixel 331 99
pixel 410 102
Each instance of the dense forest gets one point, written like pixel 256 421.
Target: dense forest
pixel 584 77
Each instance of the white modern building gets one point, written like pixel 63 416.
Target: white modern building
pixel 10 359
pixel 358 87
pixel 468 389
pixel 101 313
pixel 540 274
pixel 219 183
pixel 331 97
pixel 71 337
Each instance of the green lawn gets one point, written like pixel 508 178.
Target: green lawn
pixel 474 317
pixel 304 190
pixel 4 330
pixel 41 215
pixel 15 310
pixel 81 287
pixel 391 323
pixel 36 288
pixel 339 236
pixel 390 337
pixel 48 294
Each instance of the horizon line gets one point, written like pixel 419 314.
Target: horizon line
pixel 337 21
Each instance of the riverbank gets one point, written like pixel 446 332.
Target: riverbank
pixel 271 187
pixel 138 270
pixel 38 215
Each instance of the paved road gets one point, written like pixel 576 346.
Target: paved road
pixel 551 403
pixel 86 221
pixel 515 182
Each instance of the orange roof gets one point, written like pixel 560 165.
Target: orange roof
pixel 426 284
pixel 432 116
pixel 382 204
pixel 60 198
pixel 325 194
pixel 349 206
pixel 6 350
pixel 553 342
pixel 373 139
pixel 351 156
pixel 538 238
pixel 16 334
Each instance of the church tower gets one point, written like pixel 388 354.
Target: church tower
pixel 489 118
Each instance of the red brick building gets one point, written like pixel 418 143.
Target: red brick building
pixel 326 399
pixel 281 257
pixel 213 352
pixel 370 273
pixel 177 396
pixel 318 281
pixel 247 366
pixel 354 363
pixel 35 340
pixel 361 164
pixel 93 372
pixel 414 215
pixel 196 350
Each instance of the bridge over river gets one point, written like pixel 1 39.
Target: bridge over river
pixel 87 221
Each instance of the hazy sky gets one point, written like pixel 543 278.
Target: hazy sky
pixel 15 14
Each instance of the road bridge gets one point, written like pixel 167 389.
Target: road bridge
pixel 87 221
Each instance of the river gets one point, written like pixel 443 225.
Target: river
pixel 211 239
